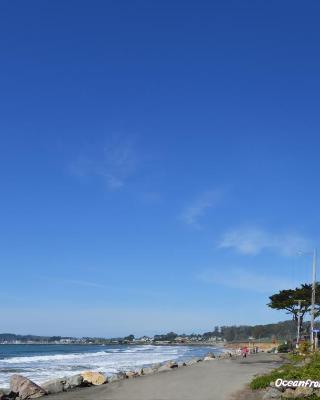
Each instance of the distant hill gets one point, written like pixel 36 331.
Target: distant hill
pixel 11 337
pixel 284 330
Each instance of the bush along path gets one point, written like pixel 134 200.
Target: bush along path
pixel 296 369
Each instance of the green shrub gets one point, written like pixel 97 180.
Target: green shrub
pixel 304 348
pixel 284 348
pixel 290 372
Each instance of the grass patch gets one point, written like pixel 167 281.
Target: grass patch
pixel 290 372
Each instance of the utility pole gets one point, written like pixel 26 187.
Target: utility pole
pixel 313 297
pixel 299 321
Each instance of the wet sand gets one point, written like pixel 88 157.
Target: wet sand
pixel 208 380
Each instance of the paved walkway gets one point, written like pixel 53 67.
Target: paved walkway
pixel 210 380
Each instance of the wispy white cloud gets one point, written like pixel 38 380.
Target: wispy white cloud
pixel 244 278
pixel 252 241
pixel 84 283
pixel 114 162
pixel 198 208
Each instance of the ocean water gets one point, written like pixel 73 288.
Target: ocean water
pixel 44 362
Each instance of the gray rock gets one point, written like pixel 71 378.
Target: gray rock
pixel 2 395
pixel 301 392
pixel 147 371
pixel 5 391
pixel 288 394
pixel 121 375
pixel 132 374
pixel 192 361
pixel 25 388
pixel 113 378
pixel 181 364
pixel 172 364
pixel 272 393
pixel 54 386
pixel 73 381
pixel 164 368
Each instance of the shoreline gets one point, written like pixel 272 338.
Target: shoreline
pixel 205 375
pixel 217 379
pixel 187 357
pixel 218 344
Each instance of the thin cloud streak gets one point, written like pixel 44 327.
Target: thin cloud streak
pixel 114 163
pixel 196 210
pixel 253 241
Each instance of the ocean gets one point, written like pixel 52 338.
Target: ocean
pixel 44 362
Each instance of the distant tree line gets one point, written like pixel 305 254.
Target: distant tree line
pixel 285 330
pixel 10 337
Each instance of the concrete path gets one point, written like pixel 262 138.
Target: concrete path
pixel 210 380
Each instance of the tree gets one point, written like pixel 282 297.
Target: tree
pixel 288 300
pixel 129 338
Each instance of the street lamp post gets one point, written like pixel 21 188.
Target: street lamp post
pixel 313 297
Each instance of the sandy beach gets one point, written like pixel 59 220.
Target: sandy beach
pixel 211 380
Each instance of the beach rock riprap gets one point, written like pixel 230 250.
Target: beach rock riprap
pixel 173 364
pixel 74 381
pixel 54 386
pixel 147 371
pixel 94 378
pixel 288 394
pixel 192 361
pixel 25 388
pixel 132 374
pixel 164 368
pixel 272 393
pixel 301 392
pixel 3 395
pixel 209 357
pixel 181 364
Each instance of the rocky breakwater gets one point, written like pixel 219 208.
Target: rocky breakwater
pixel 22 388
pixel 273 392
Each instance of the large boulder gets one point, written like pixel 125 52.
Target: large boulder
pixel 54 386
pixel 25 388
pixel 132 374
pixel 272 393
pixel 301 392
pixel 181 364
pixel 73 381
pixel 147 371
pixel 172 364
pixel 5 392
pixel 192 361
pixel 209 357
pixel 121 375
pixel 3 395
pixel 94 378
pixel 288 393
pixel 164 368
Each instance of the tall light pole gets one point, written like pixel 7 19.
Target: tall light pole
pixel 299 321
pixel 313 296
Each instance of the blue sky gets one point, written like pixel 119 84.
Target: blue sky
pixel 158 162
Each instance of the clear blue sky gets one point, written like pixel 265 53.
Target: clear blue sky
pixel 159 162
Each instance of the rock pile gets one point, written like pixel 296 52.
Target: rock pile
pixel 24 388
pixel 290 393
